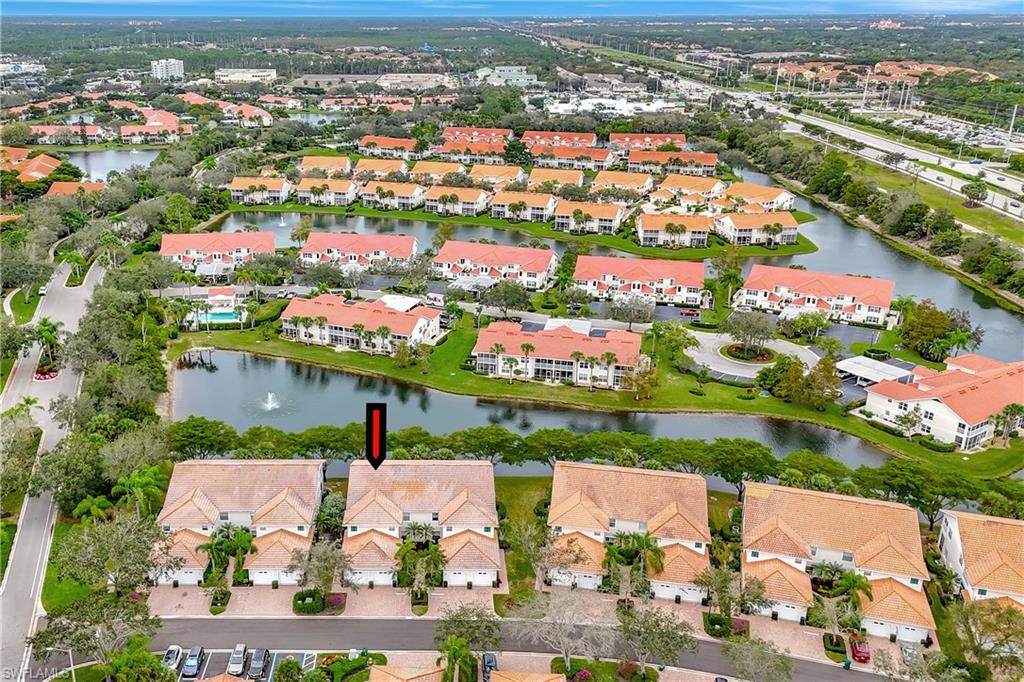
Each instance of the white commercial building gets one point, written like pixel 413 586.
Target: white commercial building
pixel 245 75
pixel 167 69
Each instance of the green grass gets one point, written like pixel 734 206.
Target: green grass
pixel 601 671
pixel 7 531
pixel 420 609
pixel 23 311
pixel 58 593
pixel 672 394
pixel 720 503
pixel 803 216
pixel 520 494
pixel 6 365
pixel 87 673
pixel 945 630
pixel 618 242
pixel 888 340
pixel 101 146
pixel 75 279
pixel 321 151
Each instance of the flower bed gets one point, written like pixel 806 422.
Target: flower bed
pixel 334 604
pixel 836 651
pixel 739 352
pixel 220 602
pixel 341 668
pixel 308 601
pixel 46 374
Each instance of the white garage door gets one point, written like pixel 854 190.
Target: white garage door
pixel 877 628
pixel 455 578
pixel 588 581
pixel 906 633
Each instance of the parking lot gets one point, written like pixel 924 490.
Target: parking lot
pixel 216 662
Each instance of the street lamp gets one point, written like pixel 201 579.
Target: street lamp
pixel 71 659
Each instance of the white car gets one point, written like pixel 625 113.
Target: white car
pixel 172 657
pixel 236 664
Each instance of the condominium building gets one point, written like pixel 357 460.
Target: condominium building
pixel 190 249
pixel 368 326
pixel 640 183
pixel 558 139
pixel 389 147
pixel 625 142
pixel 259 190
pixel 464 201
pixel 167 69
pixel 531 267
pixel 772 198
pixel 403 196
pixel 579 158
pixel 352 250
pixel 536 207
pixel 468 152
pixel 588 217
pixel 767 229
pixel 673 229
pixel 326 192
pixel 683 163
pixel 244 75
pixel 987 554
pixel 663 281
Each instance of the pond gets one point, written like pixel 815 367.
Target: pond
pixel 251 390
pixel 281 225
pixel 317 117
pixel 96 164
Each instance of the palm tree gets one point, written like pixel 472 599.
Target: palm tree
pixel 591 364
pixel 252 308
pixel 960 339
pixel 516 208
pixel 609 359
pixel 577 357
pixel 359 329
pixel 321 324
pixel 853 585
pixel 1012 413
pixel 189 279
pixel 179 309
pixel 109 244
pixel 384 332
pixel 92 509
pixel 730 279
pixel 48 333
pixel 527 348
pixel 419 533
pixel 773 231
pixel 140 486
pixel 76 260
pixel 240 314
pixel 511 363
pixel 25 405
pixel 203 308
pixel 455 656
pixel 642 547
pixel 674 230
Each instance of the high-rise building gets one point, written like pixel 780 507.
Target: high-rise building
pixel 167 69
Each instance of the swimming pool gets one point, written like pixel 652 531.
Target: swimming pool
pixel 226 316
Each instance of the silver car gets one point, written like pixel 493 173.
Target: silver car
pixel 236 664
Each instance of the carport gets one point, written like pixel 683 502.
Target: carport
pixel 868 372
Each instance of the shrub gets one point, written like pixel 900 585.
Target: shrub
pixel 627 669
pixel 502 509
pixel 541 508
pixel 342 668
pixel 885 427
pixel 308 601
pixel 849 407
pixel 929 442
pixel 838 647
pixel 717 625
pixel 335 602
pixel 269 311
pixel 697 391
pixel 220 602
pixel 746 396
pixel 703 325
pixel 880 354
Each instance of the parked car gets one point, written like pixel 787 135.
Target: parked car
pixel 490 664
pixel 42 291
pixel 692 313
pixel 860 650
pixel 1000 178
pixel 259 665
pixel 940 178
pixel 172 657
pixel 236 664
pixel 909 653
pixel 283 293
pixel 193 663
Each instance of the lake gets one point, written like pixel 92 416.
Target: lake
pixel 96 164
pixel 318 117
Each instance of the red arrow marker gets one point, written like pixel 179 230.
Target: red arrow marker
pixel 376 433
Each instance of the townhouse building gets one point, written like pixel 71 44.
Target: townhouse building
pixel 533 268
pixel 664 281
pixel 768 229
pixel 68 187
pixel 673 229
pixel 159 126
pixel 28 169
pixel 329 165
pixel 953 406
pixel 787 531
pixel 498 175
pixel 464 201
pixel 640 183
pixel 69 134
pixel 576 158
pixel 683 163
pixel 259 190
pixel 378 168
pixel 274 499
pixel 588 217
pixel 471 152
pixel 536 207
pixel 434 171
pixel 352 250
pixel 708 188
pixel 591 504
pixel 389 147
pixel 471 134
pixel 772 198
pixel 626 142
pixel 454 497
pixel 245 115
pixel 278 101
pixel 558 139
pixel 559 354
pixel 402 196
pixel 554 178
pixel 987 555
pixel 228 249
pixel 860 300
pixel 374 327
pixel 326 192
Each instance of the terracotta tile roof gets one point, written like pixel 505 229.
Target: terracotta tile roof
pixel 275 549
pixel 993 549
pixel 686 273
pixel 220 291
pixel 466 509
pixel 695 184
pixel 657 222
pixel 883 535
pixel 275 99
pixel 531 199
pixel 46 130
pixel 865 290
pixel 782 581
pixel 393 245
pixel 394 673
pixel 667 501
pixel 194 98
pixel 212 242
pixel 751 221
pixel 13 153
pixel 593 551
pixel 336 186
pixel 531 137
pixel 561 152
pixel 36 168
pixel 516 676
pixel 495 173
pixel 606 178
pixel 673 158
pixel 384 142
pixel 184 544
pixel 753 194
pixel 681 565
pixel 465 146
pixel 468 194
pixel 495 255
pixel 641 140
pixel 973 397
pixel 539 176
pixel 372 509
pixel 419 486
pixel 436 168
pixel 286 508
pixel 559 343
pixel 62 187
pixel 326 163
pixel 401 189
pixel 891 600
pixel 459 132
pixel 596 210
pixel 972 362
pixel 200 489
pixel 468 550
pixel 371 549
pixel 371 314
pixel 243 182
pixel 381 166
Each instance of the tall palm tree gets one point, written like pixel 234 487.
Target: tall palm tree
pixel 1012 413
pixel 853 585
pixel 25 405
pixel 252 308
pixel 140 486
pixel 455 655
pixel 76 260
pixel 384 332
pixel 577 357
pixel 511 363
pixel 609 360
pixel 48 333
pixel 240 314
pixel 92 509
pixel 591 364
pixel 642 547
pixel 203 308
pixel 527 348
pixel 358 329
pixel 189 279
pixel 419 532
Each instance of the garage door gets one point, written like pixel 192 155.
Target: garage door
pixel 877 628
pixel 588 582
pixel 483 578
pixel 455 578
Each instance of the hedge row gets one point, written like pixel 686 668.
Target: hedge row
pixel 885 427
pixel 929 442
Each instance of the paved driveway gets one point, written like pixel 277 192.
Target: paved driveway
pixel 848 334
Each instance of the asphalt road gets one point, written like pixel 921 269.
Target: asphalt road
pixel 23 580
pixel 409 634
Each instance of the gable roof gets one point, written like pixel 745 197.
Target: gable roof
pixel 371 314
pixel 401 189
pixel 673 158
pixel 469 550
pixel 559 343
pixel 751 221
pixel 782 582
pixel 993 550
pixel 371 549
pixel 68 187
pixel 381 166
pixel 496 255
pixel 753 194
pixel 274 550
pixel 891 600
pixel 592 552
pixel 531 199
pixel 463 193
pixel 436 168
pixel 695 184
pixel 594 209
pixel 326 163
pixel 680 565
pixel 395 673
pixel 337 186
pixel 563 176
pixel 882 535
pixel 550 137
pixel 609 178
pixel 561 152
pixel 244 182
pixel 866 290
pixel 659 222
pixel 385 142
pixel 686 273
pixel 184 544
pixel 674 502
pixel 394 245
pixel 485 171
pixel 215 242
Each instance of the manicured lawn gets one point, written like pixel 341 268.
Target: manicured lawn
pixel 58 593
pixel 889 340
pixel 87 673
pixel 601 671
pixel 619 242
pixel 321 151
pixel 520 494
pixel 23 311
pixel 945 631
pixel 6 365
pixel 719 505
pixel 803 216
pixel 7 531
pixel 672 394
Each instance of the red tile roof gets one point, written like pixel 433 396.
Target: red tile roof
pixel 645 140
pixel 384 142
pixel 560 343
pixel 532 137
pixel 495 255
pixel 172 244
pixel 657 222
pixel 66 187
pixel 492 134
pixel 395 245
pixel 462 146
pixel 371 314
pixel 686 273
pixel 563 152
pixel 865 290
pixel 673 158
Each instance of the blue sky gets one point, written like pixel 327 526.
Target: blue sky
pixel 477 8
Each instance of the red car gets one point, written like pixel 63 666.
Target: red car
pixel 860 650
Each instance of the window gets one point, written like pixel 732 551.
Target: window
pixel 698 545
pixel 487 529
pixel 814 551
pixel 929 415
pixel 166 529
pixel 902 406
pixel 405 516
pixel 301 529
pixel 611 523
pixel 223 516
pixel 914 581
pixel 354 529
pixel 434 517
pixel 754 554
pixel 847 556
pixel 982 592
pixel 448 529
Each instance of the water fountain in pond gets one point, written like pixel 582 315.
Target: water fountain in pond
pixel 271 402
pixel 281 220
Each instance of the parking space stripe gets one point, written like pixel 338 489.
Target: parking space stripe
pixel 273 669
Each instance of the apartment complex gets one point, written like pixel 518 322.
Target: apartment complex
pixel 673 229
pixel 167 69
pixel 227 249
pixel 351 250
pixel 861 300
pixel 987 554
pixel 532 268
pixel 762 229
pixel 665 281
pixel 368 326
pixel 588 217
